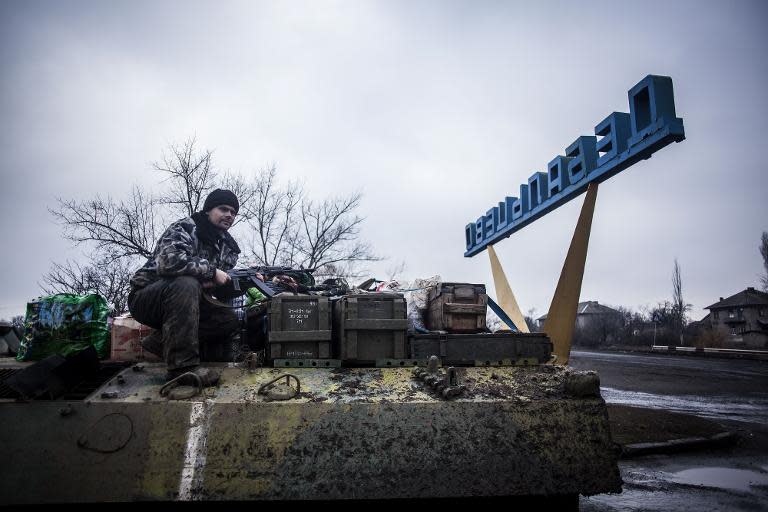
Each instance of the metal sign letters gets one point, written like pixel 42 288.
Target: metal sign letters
pixel 624 140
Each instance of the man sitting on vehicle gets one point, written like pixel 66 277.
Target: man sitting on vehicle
pixel 166 293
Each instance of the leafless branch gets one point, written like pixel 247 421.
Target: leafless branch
pixel 287 228
pixel 272 218
pixel 396 271
pixel 108 278
pixel 679 307
pixel 330 233
pixel 190 174
pixel 764 253
pixel 122 229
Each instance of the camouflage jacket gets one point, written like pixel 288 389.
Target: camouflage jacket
pixel 181 252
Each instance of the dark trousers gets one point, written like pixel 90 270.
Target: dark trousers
pixel 183 318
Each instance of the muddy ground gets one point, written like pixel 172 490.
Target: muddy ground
pixel 631 425
pixel 655 398
pixel 743 382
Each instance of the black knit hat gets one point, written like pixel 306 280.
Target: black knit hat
pixel 219 197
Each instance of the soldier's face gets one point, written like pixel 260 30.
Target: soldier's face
pixel 222 216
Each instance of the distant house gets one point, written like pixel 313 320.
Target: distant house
pixel 743 317
pixel 696 325
pixel 588 314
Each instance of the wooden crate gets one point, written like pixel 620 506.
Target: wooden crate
pixel 482 348
pixel 299 327
pixel 457 308
pixel 369 327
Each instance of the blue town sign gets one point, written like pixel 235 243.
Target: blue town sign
pixel 624 140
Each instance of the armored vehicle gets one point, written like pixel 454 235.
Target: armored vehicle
pixel 407 424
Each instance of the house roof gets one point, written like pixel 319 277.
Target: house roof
pixel 590 307
pixel 704 322
pixel 707 318
pixel 748 297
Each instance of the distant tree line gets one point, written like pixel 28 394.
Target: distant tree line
pixel 659 325
pixel 664 324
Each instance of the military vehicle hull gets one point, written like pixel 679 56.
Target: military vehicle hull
pixel 350 433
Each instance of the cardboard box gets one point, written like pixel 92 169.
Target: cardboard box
pixel 127 333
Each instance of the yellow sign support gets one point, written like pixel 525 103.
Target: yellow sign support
pixel 561 318
pixel 504 296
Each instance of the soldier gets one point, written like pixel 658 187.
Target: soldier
pixel 166 293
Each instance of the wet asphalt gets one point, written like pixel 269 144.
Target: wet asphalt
pixel 732 392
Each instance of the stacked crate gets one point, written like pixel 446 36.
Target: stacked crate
pixel 299 327
pixel 457 308
pixel 457 311
pixel 483 349
pixel 371 327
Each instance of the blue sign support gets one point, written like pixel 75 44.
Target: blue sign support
pixel 621 140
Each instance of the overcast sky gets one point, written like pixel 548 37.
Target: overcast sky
pixel 434 110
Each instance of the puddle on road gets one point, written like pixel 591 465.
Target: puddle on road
pixel 647 487
pixel 722 478
pixel 699 488
pixel 750 411
pixel 628 500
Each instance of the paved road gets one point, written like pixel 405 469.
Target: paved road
pixel 733 392
pixel 675 375
pixel 720 389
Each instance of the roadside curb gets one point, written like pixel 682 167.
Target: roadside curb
pixel 723 353
pixel 664 350
pixel 678 445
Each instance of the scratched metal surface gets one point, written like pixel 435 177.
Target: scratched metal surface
pixel 350 385
pixel 351 433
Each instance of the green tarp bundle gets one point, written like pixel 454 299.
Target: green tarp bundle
pixel 253 296
pixel 64 324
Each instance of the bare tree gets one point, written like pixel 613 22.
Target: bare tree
pixel 128 228
pixel 631 325
pixel 679 307
pixel 764 253
pixel 288 228
pixel 677 288
pixel 530 320
pixel 190 174
pixel 272 216
pixel 664 320
pixel 119 233
pixel 119 229
pixel 329 234
pixel 108 277
pixel 396 271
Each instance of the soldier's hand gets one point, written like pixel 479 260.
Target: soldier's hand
pixel 221 278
